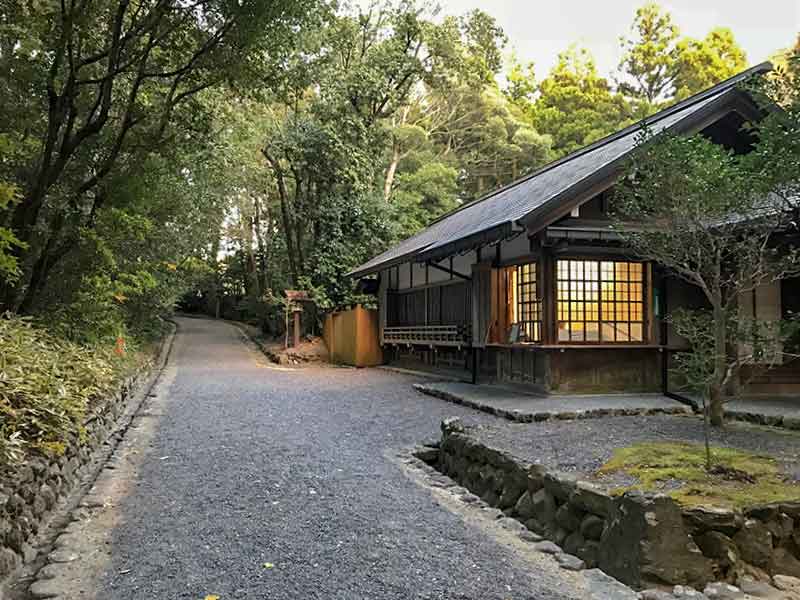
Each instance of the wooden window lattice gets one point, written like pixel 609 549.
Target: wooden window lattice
pixel 600 301
pixel 529 307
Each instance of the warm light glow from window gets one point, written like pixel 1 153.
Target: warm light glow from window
pixel 524 304
pixel 600 301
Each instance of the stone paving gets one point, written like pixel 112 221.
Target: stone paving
pixel 518 406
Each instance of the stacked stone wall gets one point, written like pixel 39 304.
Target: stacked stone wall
pixel 638 538
pixel 30 492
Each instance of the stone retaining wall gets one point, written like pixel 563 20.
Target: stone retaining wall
pixel 786 422
pixel 29 493
pixel 638 538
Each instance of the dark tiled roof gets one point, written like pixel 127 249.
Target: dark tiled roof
pixel 493 216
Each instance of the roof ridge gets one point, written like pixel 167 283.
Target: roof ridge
pixel 718 88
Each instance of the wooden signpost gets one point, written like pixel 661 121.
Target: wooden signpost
pixel 293 297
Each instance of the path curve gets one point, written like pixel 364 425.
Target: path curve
pixel 261 482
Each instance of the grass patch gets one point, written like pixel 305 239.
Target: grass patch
pixel 678 469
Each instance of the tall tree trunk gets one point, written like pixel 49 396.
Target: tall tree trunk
pixel 212 305
pixel 261 265
pixel 391 170
pixel 288 229
pixel 300 224
pixel 251 273
pixel 717 388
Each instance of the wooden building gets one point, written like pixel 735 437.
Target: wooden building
pixel 530 284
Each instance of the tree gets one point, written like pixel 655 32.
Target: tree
pixel 785 79
pixel 493 145
pixel 9 243
pixel 94 98
pixel 324 148
pixel 424 194
pixel 659 66
pixel 576 106
pixel 463 57
pixel 648 60
pixel 484 40
pixel 726 223
pixel 521 82
pixel 704 63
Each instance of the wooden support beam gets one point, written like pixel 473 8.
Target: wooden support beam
pixel 450 271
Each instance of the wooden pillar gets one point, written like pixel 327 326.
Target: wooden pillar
pixel 383 302
pixel 548 291
pixel 296 328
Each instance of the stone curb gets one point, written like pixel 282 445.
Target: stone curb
pixel 416 373
pixel 598 584
pixel 95 454
pixel 437 479
pixel 527 417
pixel 791 423
pixel 676 545
pixel 253 340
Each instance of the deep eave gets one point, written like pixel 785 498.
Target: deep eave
pixel 549 193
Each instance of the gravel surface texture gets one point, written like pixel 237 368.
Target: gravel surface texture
pixel 582 446
pixel 269 482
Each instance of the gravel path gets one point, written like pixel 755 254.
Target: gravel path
pixel 582 446
pixel 251 464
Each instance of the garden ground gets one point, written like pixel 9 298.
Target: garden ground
pixel 244 479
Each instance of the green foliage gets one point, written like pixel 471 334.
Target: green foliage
pixel 91 93
pixel 718 220
pixel 576 106
pixel 354 229
pixel 9 243
pixel 703 63
pixel 521 82
pixel 423 195
pixel 9 265
pixel 658 65
pixel 47 387
pixel 747 479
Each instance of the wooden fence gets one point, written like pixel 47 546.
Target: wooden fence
pixel 353 337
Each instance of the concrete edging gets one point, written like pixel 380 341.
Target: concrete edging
pixel 525 417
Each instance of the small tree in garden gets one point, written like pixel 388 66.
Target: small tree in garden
pixel 726 223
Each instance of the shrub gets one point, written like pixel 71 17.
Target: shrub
pixel 47 386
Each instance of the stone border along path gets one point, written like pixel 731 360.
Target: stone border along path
pixel 82 551
pixel 665 550
pixel 597 584
pixel 544 408
pixel 52 549
pixel 532 408
pixel 771 420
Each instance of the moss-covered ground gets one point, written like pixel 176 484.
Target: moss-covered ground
pixel 737 479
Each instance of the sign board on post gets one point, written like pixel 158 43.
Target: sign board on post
pixel 296 296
